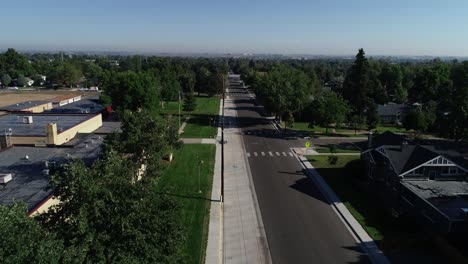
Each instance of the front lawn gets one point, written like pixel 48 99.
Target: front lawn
pixel 180 179
pixel 366 211
pixel 337 150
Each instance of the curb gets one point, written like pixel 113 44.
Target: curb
pixel 365 241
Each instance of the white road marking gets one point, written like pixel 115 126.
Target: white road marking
pixel 248 154
pixel 277 154
pixel 263 153
pixel 255 154
pixel 290 154
pixel 284 154
pixel 271 154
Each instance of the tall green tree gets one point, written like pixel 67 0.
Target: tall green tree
pixel 131 91
pixel 330 109
pixel 67 74
pixel 356 84
pixel 391 78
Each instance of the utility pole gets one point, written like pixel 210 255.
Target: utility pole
pixel 179 109
pixel 222 147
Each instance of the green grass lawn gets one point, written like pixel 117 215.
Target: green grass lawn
pixel 366 211
pixel 199 125
pixel 205 106
pixel 394 129
pixel 180 179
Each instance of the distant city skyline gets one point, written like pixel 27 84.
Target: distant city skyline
pixel 334 27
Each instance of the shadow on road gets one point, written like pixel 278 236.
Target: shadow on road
pixel 305 186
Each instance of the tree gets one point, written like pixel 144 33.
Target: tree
pixel 331 109
pixel 67 74
pixel 415 120
pixel 14 64
pixel 93 73
pixel 6 80
pixel 37 78
pixel 372 116
pixel 22 81
pixel 356 85
pixel 147 137
pixel 189 102
pixel 131 91
pixel 111 218
pixel 357 122
pixel 283 90
pixel 25 241
pixel 391 78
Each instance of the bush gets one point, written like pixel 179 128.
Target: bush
pixel 332 160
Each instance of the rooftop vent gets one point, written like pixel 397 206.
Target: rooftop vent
pixel 5 178
pixel 27 119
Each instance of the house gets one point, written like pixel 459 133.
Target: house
pixel 418 181
pixel 391 113
pixel 333 86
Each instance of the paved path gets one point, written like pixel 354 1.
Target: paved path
pixel 181 128
pixel 198 140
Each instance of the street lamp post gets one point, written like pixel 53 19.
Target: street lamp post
pixel 199 166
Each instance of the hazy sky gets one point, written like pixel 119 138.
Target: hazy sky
pixel 328 27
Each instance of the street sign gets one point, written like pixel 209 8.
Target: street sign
pixel 307 144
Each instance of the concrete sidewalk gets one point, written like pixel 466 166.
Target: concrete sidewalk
pixel 199 141
pixel 242 238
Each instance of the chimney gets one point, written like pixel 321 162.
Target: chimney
pixel 51 131
pixel 369 139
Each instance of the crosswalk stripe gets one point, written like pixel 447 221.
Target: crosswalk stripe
pixel 255 154
pixel 284 154
pixel 271 154
pixel 263 153
pixel 290 154
pixel 248 154
pixel 277 154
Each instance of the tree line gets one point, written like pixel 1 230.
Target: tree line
pixel 293 90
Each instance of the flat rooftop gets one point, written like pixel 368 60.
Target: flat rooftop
pixel 38 126
pixel 29 183
pixel 23 105
pixel 84 106
pixel 447 196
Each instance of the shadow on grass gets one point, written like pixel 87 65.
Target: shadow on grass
pixel 187 196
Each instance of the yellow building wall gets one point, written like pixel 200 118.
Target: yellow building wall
pixel 87 126
pixel 44 207
pixel 40 108
pixel 28 140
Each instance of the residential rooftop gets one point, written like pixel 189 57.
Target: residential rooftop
pixel 390 109
pixel 29 183
pixel 38 126
pixel 447 196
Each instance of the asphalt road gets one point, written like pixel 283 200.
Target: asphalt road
pixel 300 225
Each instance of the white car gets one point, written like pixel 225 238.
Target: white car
pixel 12 88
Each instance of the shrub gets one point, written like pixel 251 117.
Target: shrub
pixel 332 160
